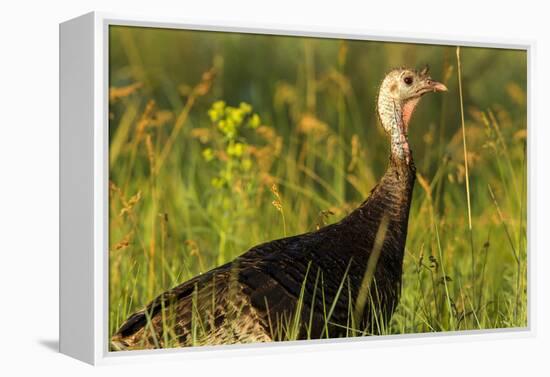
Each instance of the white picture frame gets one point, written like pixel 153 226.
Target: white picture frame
pixel 84 189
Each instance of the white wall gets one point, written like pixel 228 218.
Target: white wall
pixel 29 183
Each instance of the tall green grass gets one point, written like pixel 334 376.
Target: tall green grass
pixel 184 198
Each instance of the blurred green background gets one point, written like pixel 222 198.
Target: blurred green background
pixel 304 148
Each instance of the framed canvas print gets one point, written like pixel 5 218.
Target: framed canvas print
pixel 228 188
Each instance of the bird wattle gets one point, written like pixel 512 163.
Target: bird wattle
pixel 407 111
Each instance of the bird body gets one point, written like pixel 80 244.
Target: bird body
pixel 306 286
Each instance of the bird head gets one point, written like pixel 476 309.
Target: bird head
pixel 405 84
pixel 400 92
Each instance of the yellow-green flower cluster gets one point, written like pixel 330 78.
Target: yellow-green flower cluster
pixel 208 154
pixel 229 149
pixel 216 111
pixel 229 119
pixel 254 121
pixel 235 149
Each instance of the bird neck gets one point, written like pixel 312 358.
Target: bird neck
pixel 395 116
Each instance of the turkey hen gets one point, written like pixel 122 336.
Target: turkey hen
pixel 311 285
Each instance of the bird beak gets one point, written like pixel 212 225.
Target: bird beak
pixel 436 86
pixel 428 85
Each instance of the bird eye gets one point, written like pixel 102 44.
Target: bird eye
pixel 408 80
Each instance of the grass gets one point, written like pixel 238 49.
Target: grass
pixel 188 192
